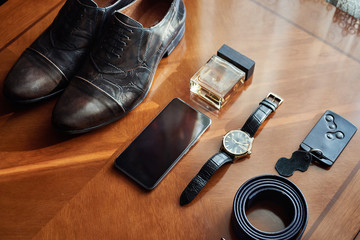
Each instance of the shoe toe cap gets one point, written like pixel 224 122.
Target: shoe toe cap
pixel 82 108
pixel 31 79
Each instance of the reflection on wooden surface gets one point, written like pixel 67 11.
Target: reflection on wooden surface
pixel 349 24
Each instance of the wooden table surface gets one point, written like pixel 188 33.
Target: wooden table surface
pixel 54 186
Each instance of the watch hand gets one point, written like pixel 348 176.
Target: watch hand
pixel 239 143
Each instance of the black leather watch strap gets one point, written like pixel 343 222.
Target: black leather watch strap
pixel 204 175
pixel 266 106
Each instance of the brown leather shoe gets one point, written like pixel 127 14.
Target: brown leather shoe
pixel 119 71
pixel 45 68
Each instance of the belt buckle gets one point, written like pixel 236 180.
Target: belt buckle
pixel 274 98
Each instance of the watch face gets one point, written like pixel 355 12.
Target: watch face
pixel 237 142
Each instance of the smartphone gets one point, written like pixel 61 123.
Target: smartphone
pixel 156 150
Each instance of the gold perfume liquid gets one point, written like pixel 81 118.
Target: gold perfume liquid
pixel 216 81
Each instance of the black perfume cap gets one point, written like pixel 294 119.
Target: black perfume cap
pixel 237 59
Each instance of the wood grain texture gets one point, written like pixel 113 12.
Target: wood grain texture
pixel 59 187
pixel 19 16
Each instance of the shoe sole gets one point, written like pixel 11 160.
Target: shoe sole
pixel 35 100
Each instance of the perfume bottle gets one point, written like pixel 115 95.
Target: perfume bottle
pixel 221 76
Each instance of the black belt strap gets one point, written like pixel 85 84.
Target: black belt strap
pixel 269 185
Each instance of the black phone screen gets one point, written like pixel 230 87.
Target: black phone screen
pixel 162 143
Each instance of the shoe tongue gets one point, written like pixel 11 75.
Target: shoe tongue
pixel 127 20
pixel 89 3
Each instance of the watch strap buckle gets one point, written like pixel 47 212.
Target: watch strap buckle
pixel 274 98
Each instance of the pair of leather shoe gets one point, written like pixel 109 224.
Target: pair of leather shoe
pixel 104 58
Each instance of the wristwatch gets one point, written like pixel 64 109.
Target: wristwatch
pixel 235 144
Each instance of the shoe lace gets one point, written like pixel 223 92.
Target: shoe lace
pixel 116 40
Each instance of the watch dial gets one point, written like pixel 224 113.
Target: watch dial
pixel 237 142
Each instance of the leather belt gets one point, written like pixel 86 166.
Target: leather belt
pixel 279 189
